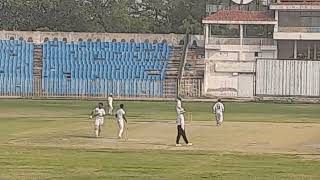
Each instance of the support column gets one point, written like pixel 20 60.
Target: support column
pixel 206 34
pixel 295 50
pixel 275 54
pixel 315 52
pixel 276 26
pixel 241 41
pixel 309 51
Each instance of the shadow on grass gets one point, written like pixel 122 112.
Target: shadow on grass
pixel 90 137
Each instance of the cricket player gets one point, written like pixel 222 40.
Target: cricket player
pixel 179 101
pixel 181 124
pixel 218 110
pixel 99 113
pixel 110 103
pixel 121 118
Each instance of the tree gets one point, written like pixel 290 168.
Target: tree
pixel 141 16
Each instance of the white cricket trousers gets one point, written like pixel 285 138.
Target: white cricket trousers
pixel 110 108
pixel 219 117
pixel 121 126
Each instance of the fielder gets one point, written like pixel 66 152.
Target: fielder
pixel 218 110
pixel 180 124
pixel 179 102
pixel 121 118
pixel 110 103
pixel 99 113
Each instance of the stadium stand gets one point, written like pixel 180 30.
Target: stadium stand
pixel 16 67
pixel 95 68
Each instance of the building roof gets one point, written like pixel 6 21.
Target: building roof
pixel 298 2
pixel 238 15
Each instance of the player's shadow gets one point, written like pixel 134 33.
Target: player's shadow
pixel 91 137
pixel 154 144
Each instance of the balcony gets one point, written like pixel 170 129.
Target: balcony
pixel 217 43
pixel 246 41
pixel 224 41
pixel 297 33
pixel 299 29
pixel 259 42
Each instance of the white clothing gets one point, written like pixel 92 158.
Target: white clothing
pixel 110 101
pixel 98 122
pixel 120 114
pixel 180 116
pixel 121 127
pixel 219 117
pixel 99 116
pixel 218 108
pixel 179 103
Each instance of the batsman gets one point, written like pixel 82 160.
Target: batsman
pixel 99 113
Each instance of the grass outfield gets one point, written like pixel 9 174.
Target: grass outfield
pixel 52 140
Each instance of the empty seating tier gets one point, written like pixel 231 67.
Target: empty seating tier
pixel 16 67
pixel 94 68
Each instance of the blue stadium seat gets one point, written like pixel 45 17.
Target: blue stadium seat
pixel 102 63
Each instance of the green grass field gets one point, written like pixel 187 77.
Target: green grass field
pixel 53 140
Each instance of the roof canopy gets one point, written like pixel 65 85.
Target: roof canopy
pixel 239 17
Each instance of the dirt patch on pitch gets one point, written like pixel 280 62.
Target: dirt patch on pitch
pixel 246 137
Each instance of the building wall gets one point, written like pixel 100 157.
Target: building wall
pixel 39 37
pixel 230 70
pixel 288 78
pixel 299 18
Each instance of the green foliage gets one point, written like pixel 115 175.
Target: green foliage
pixel 142 16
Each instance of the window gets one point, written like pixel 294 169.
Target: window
pixel 257 54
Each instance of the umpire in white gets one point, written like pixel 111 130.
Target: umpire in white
pixel 180 124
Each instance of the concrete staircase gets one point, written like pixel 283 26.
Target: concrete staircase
pixel 194 67
pixel 37 70
pixel 172 72
pixel 191 82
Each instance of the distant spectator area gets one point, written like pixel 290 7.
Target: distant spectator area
pixel 87 67
pixel 16 67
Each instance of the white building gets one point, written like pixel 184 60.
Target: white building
pixel 248 53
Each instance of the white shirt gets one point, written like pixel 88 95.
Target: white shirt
pixel 120 113
pixel 180 116
pixel 99 113
pixel 180 111
pixel 110 99
pixel 179 103
pixel 218 107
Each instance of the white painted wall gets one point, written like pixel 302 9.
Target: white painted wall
pixel 38 37
pixel 296 36
pixel 231 73
pixel 246 85
pixel 222 84
pixel 223 55
pixel 288 78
